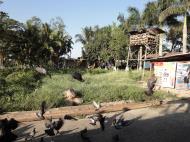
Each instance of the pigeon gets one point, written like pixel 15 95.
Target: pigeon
pixel 83 135
pixel 58 124
pixel 151 84
pixel 77 76
pixel 31 135
pixel 149 92
pixel 48 123
pixel 94 118
pixel 96 105
pixel 43 71
pixel 98 117
pixel 40 114
pixel 102 122
pixel 120 123
pixel 68 117
pixel 50 132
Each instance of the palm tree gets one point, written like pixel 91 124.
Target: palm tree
pixel 180 8
pixel 150 14
pixel 84 38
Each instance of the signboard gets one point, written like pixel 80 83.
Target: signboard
pixel 181 73
pixel 158 66
pixel 165 73
pixel 168 74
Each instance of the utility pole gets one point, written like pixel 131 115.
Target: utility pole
pixel 140 64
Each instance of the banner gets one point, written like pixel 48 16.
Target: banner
pixel 165 73
pixel 181 73
pixel 169 74
pixel 158 67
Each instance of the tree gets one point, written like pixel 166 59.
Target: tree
pixel 179 8
pixel 150 14
pixel 118 43
pixel 85 38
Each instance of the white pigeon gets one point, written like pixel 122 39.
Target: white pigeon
pixel 96 105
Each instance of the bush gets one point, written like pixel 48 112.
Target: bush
pixel 30 88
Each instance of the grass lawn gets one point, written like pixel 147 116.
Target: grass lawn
pixel 99 85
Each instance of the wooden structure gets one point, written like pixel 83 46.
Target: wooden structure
pixel 26 116
pixel 142 43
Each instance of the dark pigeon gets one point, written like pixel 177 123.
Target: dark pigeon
pixel 58 124
pixel 40 114
pixel 68 117
pixel 77 76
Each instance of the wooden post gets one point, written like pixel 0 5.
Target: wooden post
pixel 127 65
pixel 144 62
pixel 185 34
pixel 140 58
pixel 160 43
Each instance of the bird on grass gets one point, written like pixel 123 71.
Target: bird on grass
pixel 77 76
pixel 151 84
pixel 68 117
pixel 41 113
pixel 42 71
pixel 6 127
pixel 83 135
pixel 148 92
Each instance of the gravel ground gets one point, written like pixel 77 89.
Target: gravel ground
pixel 167 123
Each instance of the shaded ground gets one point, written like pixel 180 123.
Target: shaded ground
pixel 167 123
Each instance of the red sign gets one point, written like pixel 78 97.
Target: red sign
pixel 158 63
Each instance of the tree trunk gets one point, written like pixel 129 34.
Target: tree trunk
pixel 160 43
pixel 185 34
pixel 140 64
pixel 127 65
pixel 1 59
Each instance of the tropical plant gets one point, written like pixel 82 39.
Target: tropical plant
pixel 180 7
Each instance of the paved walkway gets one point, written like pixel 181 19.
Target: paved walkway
pixel 167 123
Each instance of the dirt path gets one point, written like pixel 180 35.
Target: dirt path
pixel 167 123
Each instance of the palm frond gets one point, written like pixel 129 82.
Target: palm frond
pixel 173 10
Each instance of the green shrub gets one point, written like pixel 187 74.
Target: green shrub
pixel 30 88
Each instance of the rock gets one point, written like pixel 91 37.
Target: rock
pixel 69 94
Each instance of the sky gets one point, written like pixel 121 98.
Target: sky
pixel 76 14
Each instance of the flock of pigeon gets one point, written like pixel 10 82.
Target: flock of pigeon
pixel 52 128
